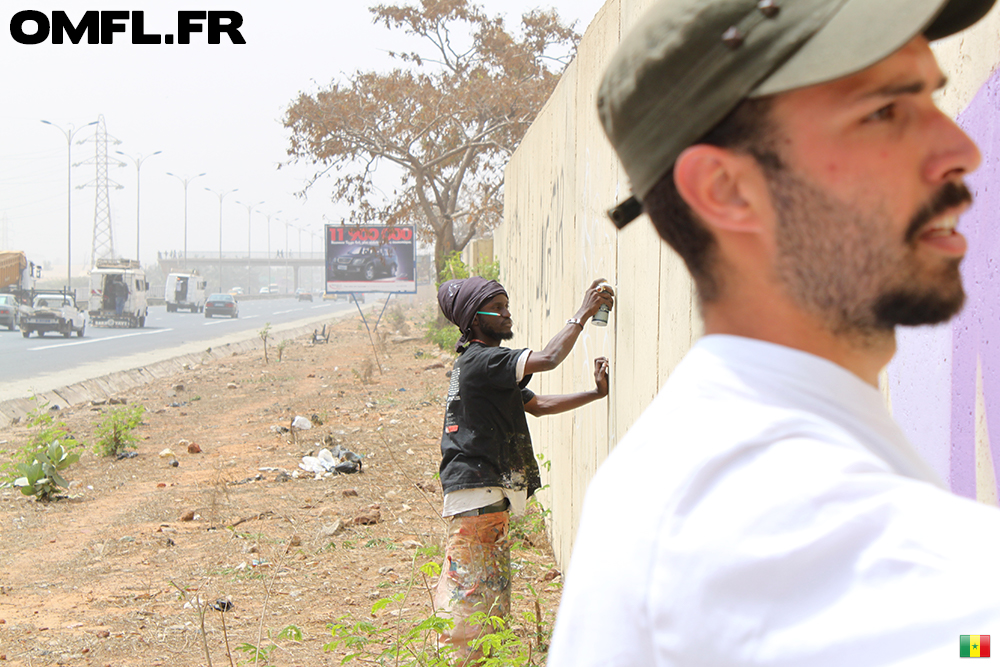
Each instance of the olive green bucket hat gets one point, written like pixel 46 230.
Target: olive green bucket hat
pixel 688 63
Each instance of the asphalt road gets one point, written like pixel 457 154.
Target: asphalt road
pixel 36 364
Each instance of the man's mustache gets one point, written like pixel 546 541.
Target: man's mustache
pixel 949 196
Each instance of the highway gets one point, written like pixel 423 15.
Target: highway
pixel 36 364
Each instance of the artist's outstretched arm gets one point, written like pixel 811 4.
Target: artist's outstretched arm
pixel 559 347
pixel 556 403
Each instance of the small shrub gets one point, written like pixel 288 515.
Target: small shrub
pixel 396 318
pixel 115 433
pixel 488 270
pixel 445 335
pixel 281 349
pixel 40 476
pixel 261 655
pixel 264 334
pixel 49 431
pixel 453 268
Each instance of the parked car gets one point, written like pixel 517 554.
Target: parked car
pixel 222 304
pixel 368 262
pixel 357 297
pixel 303 294
pixel 10 311
pixel 54 311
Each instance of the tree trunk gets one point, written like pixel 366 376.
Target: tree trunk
pixel 444 245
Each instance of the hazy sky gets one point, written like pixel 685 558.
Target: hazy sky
pixel 208 108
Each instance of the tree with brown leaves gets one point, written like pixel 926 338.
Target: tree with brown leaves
pixel 448 120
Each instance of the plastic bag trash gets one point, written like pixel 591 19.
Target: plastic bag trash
pixel 301 422
pixel 313 465
pixel 327 458
pixel 340 460
pixel 348 467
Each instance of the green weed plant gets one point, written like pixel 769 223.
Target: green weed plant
pixel 415 642
pixel 36 467
pixel 116 434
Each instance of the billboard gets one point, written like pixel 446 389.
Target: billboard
pixel 370 258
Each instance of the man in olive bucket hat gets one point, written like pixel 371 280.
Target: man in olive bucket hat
pixel 487 465
pixel 766 509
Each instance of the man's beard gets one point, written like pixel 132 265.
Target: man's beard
pixel 846 265
pixel 486 326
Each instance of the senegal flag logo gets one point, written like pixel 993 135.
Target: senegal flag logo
pixel 974 646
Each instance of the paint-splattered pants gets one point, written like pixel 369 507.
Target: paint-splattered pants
pixel 475 576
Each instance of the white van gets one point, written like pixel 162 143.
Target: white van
pixel 118 291
pixel 185 291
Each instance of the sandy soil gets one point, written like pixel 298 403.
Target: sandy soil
pixel 111 574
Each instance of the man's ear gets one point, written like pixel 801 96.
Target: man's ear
pixel 722 188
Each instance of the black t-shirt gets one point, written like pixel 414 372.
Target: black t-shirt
pixel 486 440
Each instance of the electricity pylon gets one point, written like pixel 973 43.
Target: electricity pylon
pixel 103 246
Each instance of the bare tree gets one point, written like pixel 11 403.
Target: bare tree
pixel 448 119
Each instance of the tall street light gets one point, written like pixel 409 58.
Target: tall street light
pixel 138 165
pixel 69 209
pixel 221 196
pixel 287 224
pixel 250 208
pixel 185 180
pixel 269 247
pixel 312 255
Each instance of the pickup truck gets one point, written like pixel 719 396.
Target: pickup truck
pixel 54 311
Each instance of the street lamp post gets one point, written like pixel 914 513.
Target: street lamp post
pixel 250 208
pixel 221 196
pixel 138 165
pixel 185 181
pixel 269 246
pixel 312 255
pixel 287 224
pixel 69 209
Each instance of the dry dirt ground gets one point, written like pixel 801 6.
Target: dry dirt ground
pixel 112 573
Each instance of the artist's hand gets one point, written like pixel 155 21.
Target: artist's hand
pixel 598 294
pixel 601 368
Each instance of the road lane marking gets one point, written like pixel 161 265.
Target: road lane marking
pixel 99 340
pixel 214 321
pixel 282 312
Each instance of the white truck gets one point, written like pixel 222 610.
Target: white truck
pixel 118 291
pixel 53 312
pixel 185 291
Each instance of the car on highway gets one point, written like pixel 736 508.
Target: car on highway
pixel 368 262
pixel 54 311
pixel 236 291
pixel 358 297
pixel 302 294
pixel 10 311
pixel 222 304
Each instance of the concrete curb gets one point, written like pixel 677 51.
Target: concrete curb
pixel 116 383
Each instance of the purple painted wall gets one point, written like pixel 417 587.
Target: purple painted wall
pixel 933 377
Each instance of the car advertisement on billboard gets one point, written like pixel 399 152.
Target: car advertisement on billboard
pixel 370 258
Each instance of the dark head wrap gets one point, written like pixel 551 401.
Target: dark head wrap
pixel 461 298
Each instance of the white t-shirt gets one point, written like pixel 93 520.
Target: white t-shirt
pixel 766 510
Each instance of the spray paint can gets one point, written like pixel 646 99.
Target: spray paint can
pixel 600 318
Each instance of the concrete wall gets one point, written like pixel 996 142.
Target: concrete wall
pixel 944 385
